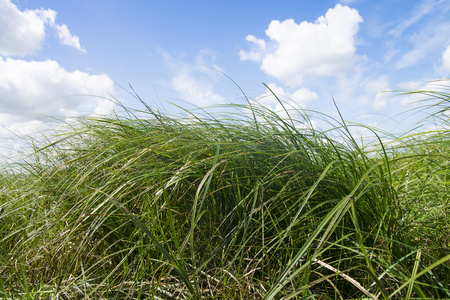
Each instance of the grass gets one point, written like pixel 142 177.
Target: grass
pixel 240 206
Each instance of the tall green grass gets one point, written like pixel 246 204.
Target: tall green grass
pixel 243 205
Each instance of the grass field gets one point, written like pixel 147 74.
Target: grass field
pixel 241 205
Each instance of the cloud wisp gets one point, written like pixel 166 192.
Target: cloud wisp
pixel 291 100
pixel 192 81
pixel 446 59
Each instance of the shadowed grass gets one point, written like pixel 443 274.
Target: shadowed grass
pixel 240 206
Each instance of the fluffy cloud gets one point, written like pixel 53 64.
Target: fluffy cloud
pixel 31 91
pixel 31 88
pixel 22 32
pixel 323 48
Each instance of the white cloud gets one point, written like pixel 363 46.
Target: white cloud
pixel 257 52
pixel 192 81
pixel 31 91
pixel 323 48
pixel 63 32
pixel 425 43
pixel 195 91
pixel 380 88
pixel 295 100
pixel 22 32
pixel 205 62
pixel 415 98
pixel 420 11
pixel 426 30
pixel 446 58
pixel 44 87
pixel 66 38
pixel 381 100
pixel 390 52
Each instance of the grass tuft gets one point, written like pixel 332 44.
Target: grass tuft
pixel 239 206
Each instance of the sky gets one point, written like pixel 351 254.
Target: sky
pixel 60 59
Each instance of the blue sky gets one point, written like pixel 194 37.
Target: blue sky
pixel 308 52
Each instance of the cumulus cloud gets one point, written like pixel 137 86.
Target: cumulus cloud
pixel 30 88
pixel 31 91
pixel 323 48
pixel 22 32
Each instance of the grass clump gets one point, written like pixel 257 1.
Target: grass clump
pixel 240 206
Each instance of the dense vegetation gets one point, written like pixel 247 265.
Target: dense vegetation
pixel 241 205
